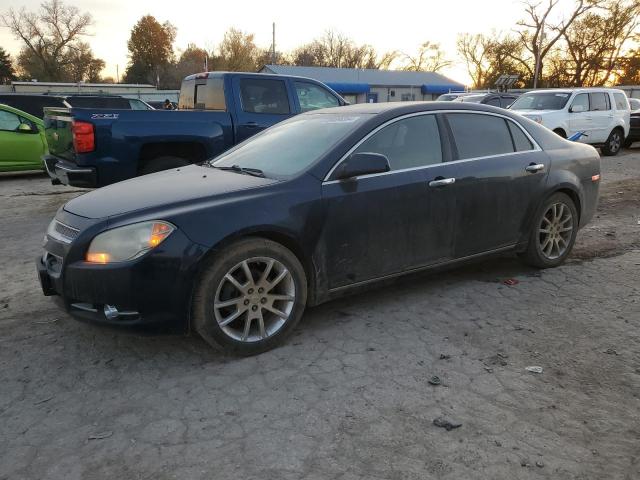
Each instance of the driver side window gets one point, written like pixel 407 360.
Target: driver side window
pixel 408 143
pixel 581 99
pixel 9 121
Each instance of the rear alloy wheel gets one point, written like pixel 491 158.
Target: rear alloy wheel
pixel 251 298
pixel 613 144
pixel 554 232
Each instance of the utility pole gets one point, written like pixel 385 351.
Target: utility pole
pixel 117 74
pixel 273 45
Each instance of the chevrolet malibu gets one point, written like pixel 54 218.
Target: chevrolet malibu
pixel 313 207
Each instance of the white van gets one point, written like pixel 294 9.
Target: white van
pixel 600 114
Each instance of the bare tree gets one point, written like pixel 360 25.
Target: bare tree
pixel 537 23
pixel 50 36
pixel 430 58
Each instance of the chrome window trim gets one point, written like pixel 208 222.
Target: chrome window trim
pixel 536 147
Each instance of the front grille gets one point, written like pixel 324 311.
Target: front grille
pixel 66 231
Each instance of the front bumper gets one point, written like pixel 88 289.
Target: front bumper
pixel 67 173
pixel 153 289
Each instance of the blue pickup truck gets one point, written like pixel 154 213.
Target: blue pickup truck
pixel 95 147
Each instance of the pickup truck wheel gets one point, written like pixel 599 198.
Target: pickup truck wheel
pixel 250 297
pixel 613 144
pixel 162 163
pixel 553 232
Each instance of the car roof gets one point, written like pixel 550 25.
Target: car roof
pixel 578 89
pixel 401 108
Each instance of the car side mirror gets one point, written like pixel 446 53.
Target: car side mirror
pixel 25 128
pixel 577 109
pixel 364 163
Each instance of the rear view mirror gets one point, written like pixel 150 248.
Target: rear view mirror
pixel 364 163
pixel 25 128
pixel 577 109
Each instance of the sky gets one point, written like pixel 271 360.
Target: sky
pixel 401 26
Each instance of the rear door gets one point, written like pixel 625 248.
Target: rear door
pixel 501 175
pixel 601 116
pixel 263 102
pixel 387 223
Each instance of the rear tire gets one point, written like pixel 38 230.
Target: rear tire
pixel 553 232
pixel 159 164
pixel 613 143
pixel 249 297
pixel 627 143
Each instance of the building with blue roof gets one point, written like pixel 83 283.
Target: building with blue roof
pixel 358 85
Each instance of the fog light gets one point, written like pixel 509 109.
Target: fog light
pixel 111 312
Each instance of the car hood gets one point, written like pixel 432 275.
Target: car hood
pixel 533 113
pixel 160 189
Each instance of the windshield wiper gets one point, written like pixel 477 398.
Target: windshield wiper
pixel 256 172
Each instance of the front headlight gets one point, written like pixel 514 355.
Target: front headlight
pixel 128 242
pixel 535 118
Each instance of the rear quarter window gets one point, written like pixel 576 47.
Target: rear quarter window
pixel 621 101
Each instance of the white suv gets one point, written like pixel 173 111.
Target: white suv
pixel 600 114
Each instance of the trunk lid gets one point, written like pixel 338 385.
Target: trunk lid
pixel 58 133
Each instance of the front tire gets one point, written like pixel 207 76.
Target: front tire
pixel 613 143
pixel 249 297
pixel 553 232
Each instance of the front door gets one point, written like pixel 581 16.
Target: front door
pixel 383 224
pixel 501 175
pixel 263 102
pixel 19 150
pixel 580 121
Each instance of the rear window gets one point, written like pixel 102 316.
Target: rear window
pixel 32 104
pixel 209 95
pixel 480 135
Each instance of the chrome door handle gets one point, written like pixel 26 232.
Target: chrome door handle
pixel 534 167
pixel 442 182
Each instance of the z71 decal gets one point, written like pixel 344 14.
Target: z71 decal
pixel 103 116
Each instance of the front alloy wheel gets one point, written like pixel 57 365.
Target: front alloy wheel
pixel 254 299
pixel 249 296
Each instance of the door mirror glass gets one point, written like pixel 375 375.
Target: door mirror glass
pixel 364 163
pixel 578 109
pixel 25 128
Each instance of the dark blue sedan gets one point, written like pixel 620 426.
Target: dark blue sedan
pixel 312 207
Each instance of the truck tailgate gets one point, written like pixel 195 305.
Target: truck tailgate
pixel 57 125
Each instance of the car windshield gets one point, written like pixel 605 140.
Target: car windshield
pixel 292 146
pixel 541 101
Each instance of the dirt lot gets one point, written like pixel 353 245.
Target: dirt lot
pixel 349 396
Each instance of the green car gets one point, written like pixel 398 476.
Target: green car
pixel 22 141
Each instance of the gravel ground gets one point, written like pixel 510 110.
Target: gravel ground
pixel 349 396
